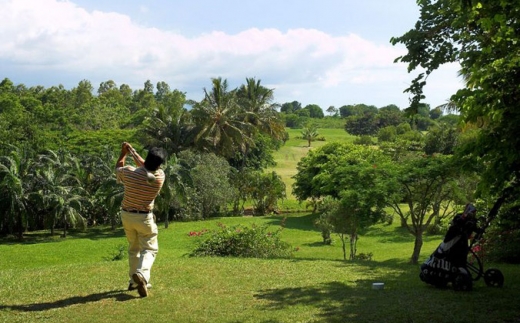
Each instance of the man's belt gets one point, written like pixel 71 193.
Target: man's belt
pixel 136 211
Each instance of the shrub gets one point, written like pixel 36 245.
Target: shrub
pixel 364 256
pixel 502 245
pixel 241 241
pixel 364 140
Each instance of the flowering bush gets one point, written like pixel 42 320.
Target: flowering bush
pixel 241 241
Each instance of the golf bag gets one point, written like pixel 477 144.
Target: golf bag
pixel 448 263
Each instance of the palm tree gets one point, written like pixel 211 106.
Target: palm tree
pixel 15 191
pixel 220 125
pixel 173 190
pixel 259 109
pixel 169 124
pixel 61 191
pixel 310 133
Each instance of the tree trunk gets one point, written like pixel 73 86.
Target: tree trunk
pixel 353 248
pixel 167 219
pixel 20 226
pixel 417 247
pixel 403 222
pixel 342 237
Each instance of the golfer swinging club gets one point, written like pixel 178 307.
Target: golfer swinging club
pixel 141 187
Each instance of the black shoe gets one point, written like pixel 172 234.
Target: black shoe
pixel 133 286
pixel 141 284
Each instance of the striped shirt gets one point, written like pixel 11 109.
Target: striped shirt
pixel 139 194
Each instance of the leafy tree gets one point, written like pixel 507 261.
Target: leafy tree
pixel 451 119
pixel 441 139
pixel 168 124
pixel 314 111
pixel 210 190
pixel 17 124
pixel 353 177
pixel 332 111
pixel 259 156
pixel 291 107
pixel 387 134
pixel 349 110
pixel 435 113
pixel 482 36
pixel 389 116
pixel 428 187
pixel 361 124
pixel 265 191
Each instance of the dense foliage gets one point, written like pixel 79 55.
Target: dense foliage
pixel 483 37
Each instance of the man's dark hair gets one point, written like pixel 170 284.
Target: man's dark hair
pixel 156 156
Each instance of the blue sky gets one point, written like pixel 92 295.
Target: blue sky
pixel 326 52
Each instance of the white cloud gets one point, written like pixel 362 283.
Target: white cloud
pixel 60 36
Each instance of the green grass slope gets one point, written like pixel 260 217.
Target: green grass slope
pixel 71 280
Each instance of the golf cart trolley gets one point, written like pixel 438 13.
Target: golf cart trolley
pixel 458 262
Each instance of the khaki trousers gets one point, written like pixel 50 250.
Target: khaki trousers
pixel 141 233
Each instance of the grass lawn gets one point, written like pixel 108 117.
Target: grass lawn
pixel 76 279
pixel 73 280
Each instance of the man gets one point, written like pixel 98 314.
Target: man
pixel 141 187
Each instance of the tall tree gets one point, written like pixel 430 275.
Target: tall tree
pixel 482 36
pixel 260 109
pixel 220 126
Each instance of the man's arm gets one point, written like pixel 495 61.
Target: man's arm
pixel 139 161
pixel 121 160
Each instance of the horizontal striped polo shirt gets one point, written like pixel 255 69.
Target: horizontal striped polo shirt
pixel 139 194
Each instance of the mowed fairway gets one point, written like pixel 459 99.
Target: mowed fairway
pixel 295 148
pixel 51 279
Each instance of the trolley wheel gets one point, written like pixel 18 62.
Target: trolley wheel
pixel 494 278
pixel 463 282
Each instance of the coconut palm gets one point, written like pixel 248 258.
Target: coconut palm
pixel 173 191
pixel 61 191
pixel 220 124
pixel 169 124
pixel 259 109
pixel 15 191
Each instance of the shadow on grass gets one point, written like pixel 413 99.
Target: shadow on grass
pixel 304 222
pixel 335 301
pixel 404 299
pixel 92 233
pixel 118 295
pixel 397 235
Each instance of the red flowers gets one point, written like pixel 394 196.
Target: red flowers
pixel 197 233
